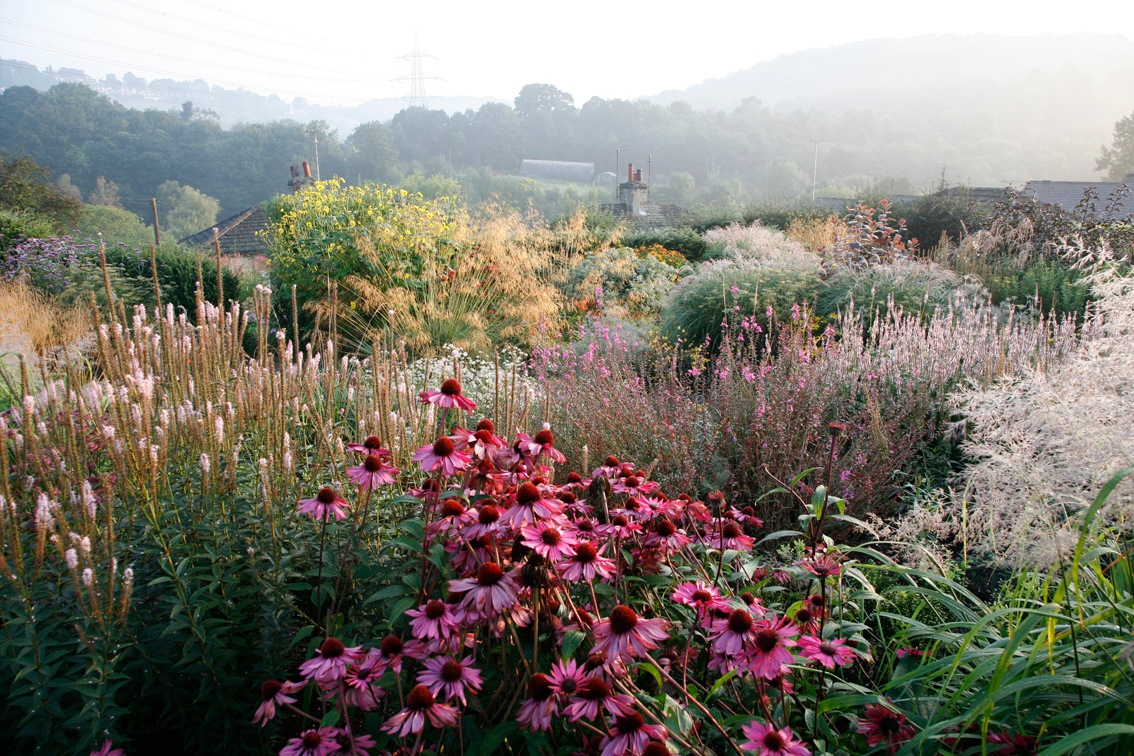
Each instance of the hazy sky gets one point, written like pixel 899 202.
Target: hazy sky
pixel 337 52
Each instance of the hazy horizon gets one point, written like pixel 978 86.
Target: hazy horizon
pixel 342 54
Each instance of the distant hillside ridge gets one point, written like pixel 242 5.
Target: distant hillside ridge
pixel 824 78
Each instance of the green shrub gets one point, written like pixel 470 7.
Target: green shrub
pixel 687 241
pixel 734 288
pixel 951 212
pixel 115 225
pixel 1046 286
pixel 621 281
pixel 912 285
pixel 758 269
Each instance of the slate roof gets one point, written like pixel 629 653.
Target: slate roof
pixel 654 216
pixel 239 235
pixel 1068 194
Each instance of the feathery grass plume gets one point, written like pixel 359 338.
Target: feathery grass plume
pixel 487 284
pixel 813 233
pixel 1043 442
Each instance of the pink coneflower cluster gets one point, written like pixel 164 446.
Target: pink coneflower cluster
pixel 525 560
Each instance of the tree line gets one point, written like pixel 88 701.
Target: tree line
pixel 750 153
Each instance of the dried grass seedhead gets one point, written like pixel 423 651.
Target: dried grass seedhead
pixel 813 233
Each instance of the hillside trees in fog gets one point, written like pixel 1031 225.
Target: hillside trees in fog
pixel 1118 159
pixel 749 153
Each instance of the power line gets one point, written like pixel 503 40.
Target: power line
pixel 225 12
pixel 186 37
pixel 238 85
pixel 203 24
pixel 165 56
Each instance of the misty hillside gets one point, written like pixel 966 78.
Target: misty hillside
pixel 870 73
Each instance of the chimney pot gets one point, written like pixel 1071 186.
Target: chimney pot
pixel 306 169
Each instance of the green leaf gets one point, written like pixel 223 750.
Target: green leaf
pixel 1083 736
pixel 389 592
pixel 330 719
pixel 572 639
pixel 491 741
pixel 648 667
pixel 720 681
pixel 400 608
pixel 781 534
pixel 409 544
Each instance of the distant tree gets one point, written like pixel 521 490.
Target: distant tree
pixel 420 134
pixel 783 179
pixel 183 211
pixel 104 193
pixel 542 98
pixel 680 190
pixel 370 152
pixel 115 225
pixel 65 185
pixel 26 186
pixel 1118 159
pixel 495 137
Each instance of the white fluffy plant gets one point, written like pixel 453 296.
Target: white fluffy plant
pixel 1046 442
pixel 756 244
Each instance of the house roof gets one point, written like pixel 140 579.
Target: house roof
pixel 1068 194
pixel 977 194
pixel 239 235
pixel 557 169
pixel 653 216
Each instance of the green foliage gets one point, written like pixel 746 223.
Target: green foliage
pixel 948 211
pixel 330 233
pixel 778 215
pixel 26 187
pixel 1046 286
pixel 16 225
pixel 177 274
pixel 1048 660
pixel 687 241
pixel 435 187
